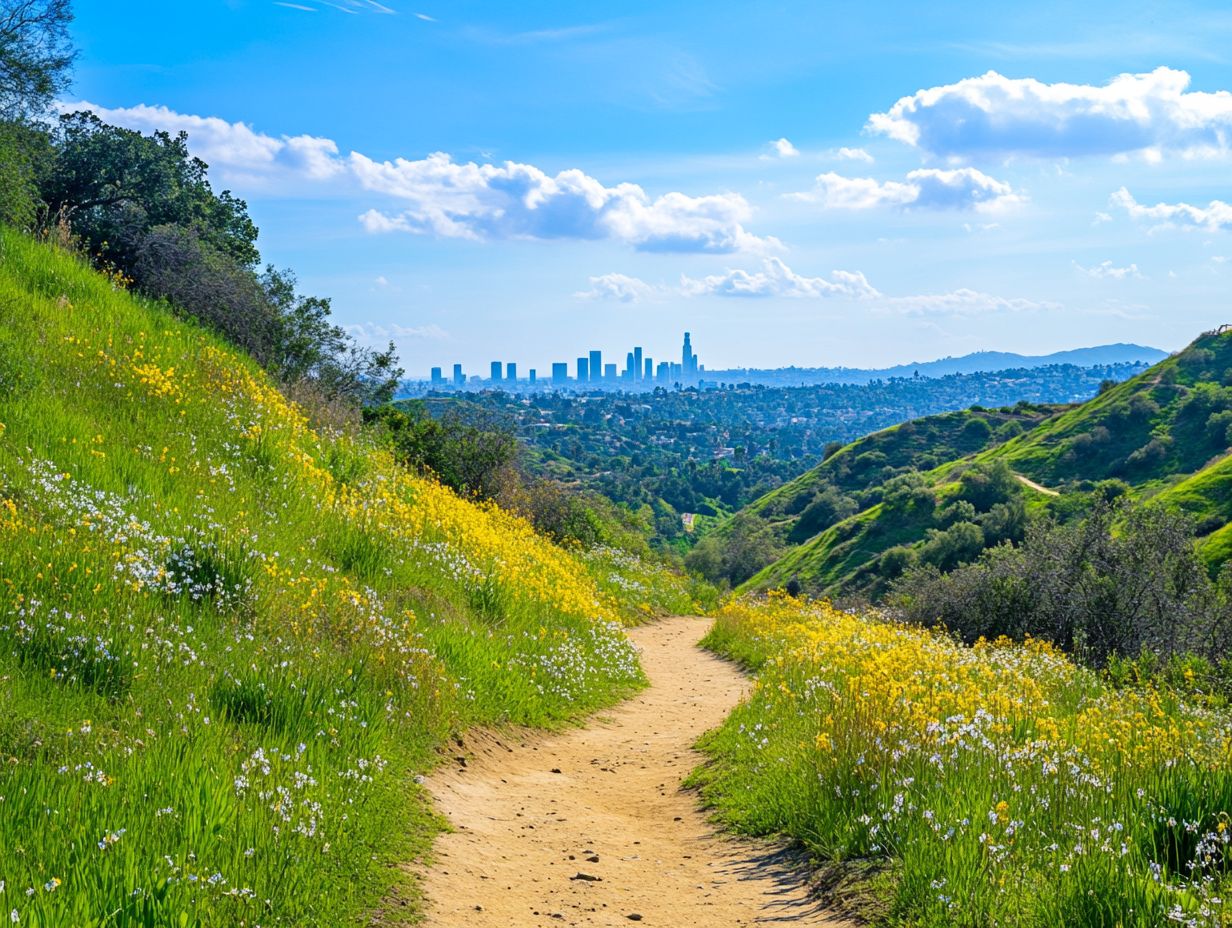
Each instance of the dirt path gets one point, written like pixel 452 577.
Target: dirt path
pixel 1028 482
pixel 589 827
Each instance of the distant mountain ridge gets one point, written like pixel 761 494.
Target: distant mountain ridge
pixel 1120 353
pixel 976 362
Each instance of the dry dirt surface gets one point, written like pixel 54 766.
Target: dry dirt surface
pixel 589 827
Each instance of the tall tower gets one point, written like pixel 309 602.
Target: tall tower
pixel 637 363
pixel 688 360
pixel 596 366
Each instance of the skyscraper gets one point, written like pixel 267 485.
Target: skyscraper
pixel 648 370
pixel 629 369
pixel 458 377
pixel 637 363
pixel 511 371
pixel 437 379
pixel 583 370
pixel 688 361
pixel 596 366
pixel 496 371
pixel 609 373
pixel 560 373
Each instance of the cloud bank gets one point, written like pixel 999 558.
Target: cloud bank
pixel 1214 217
pixel 997 116
pixel 439 196
pixel 927 188
pixel 776 280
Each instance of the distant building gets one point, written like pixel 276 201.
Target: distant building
pixel 560 373
pixel 648 370
pixel 629 368
pixel 458 377
pixel 688 361
pixel 596 366
pixel 609 373
pixel 437 379
pixel 534 377
pixel 496 371
pixel 583 370
pixel 511 372
pixel 664 373
pixel 637 363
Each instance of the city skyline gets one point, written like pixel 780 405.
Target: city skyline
pixel 640 370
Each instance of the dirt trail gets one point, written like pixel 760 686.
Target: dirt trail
pixel 532 815
pixel 1028 482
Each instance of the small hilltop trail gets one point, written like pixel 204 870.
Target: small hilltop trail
pixel 589 826
pixel 1028 482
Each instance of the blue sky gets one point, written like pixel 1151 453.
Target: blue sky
pixel 795 183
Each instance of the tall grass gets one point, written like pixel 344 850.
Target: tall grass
pixel 230 641
pixel 996 785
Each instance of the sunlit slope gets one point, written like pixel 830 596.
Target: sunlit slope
pixel 228 639
pixel 1165 433
pixel 919 444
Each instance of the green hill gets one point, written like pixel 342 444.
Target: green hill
pixel 1161 435
pixel 229 639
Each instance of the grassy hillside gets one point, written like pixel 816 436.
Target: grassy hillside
pixel 999 784
pixel 839 500
pixel 229 640
pixel 1165 434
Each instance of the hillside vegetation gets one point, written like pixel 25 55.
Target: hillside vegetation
pixel 229 639
pixel 1161 436
pixel 999 784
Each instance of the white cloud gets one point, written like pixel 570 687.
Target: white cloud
pixel 962 302
pixel 784 149
pixel 997 116
pixel 619 287
pixel 854 154
pixel 425 17
pixel 1215 216
pixel 436 195
pixel 233 148
pixel 1106 270
pixel 776 279
pixel 484 201
pixel 926 188
pixel 377 332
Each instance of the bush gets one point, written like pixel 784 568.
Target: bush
pixel 828 507
pixel 1124 579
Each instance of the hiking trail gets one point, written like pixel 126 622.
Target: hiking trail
pixel 589 827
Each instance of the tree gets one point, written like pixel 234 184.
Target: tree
pixel 35 55
pixel 114 185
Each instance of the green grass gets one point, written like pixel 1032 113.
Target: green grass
pixel 228 642
pixel 941 785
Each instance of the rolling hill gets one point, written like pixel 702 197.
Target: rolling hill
pixel 1163 434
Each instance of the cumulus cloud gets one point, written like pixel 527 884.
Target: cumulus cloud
pixel 619 287
pixel 997 116
pixel 854 154
pixel 483 201
pixel 926 188
pixel 1215 216
pixel 438 196
pixel 234 148
pixel 776 280
pixel 1106 270
pixel 784 149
